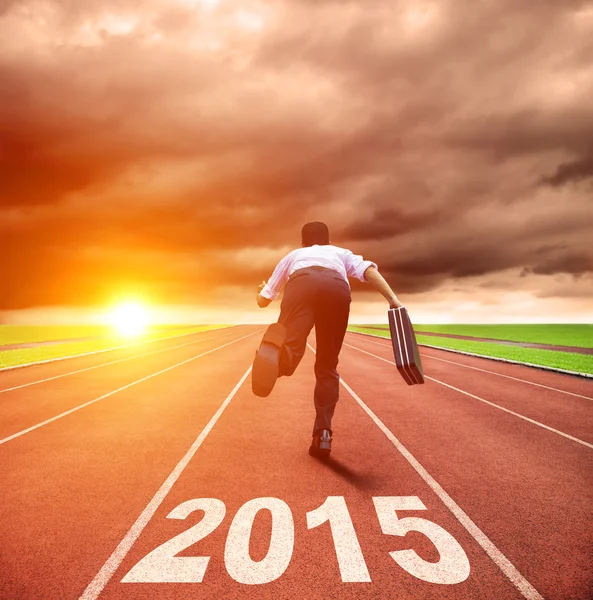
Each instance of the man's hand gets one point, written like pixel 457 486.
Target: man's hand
pixel 261 301
pixel 395 303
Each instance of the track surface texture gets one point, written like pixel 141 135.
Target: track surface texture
pixel 154 472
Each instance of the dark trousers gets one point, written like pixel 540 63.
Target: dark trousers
pixel 320 297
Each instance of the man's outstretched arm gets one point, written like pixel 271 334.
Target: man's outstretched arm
pixel 377 280
pixel 268 291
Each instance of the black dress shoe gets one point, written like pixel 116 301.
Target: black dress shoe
pixel 322 443
pixel 266 362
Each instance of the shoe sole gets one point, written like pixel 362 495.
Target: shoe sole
pixel 265 370
pixel 319 453
pixel 322 452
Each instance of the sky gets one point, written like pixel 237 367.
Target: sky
pixel 171 150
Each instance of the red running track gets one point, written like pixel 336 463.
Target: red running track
pixel 488 468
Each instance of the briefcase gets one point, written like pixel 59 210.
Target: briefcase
pixel 405 348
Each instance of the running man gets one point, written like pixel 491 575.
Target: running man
pixel 316 292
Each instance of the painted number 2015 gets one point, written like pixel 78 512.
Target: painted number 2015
pixel 162 565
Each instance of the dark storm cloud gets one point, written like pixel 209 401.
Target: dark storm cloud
pixel 573 171
pixel 574 263
pixel 385 223
pixel 178 146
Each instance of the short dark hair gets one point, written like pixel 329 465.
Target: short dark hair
pixel 315 233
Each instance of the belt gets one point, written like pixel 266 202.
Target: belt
pixel 304 270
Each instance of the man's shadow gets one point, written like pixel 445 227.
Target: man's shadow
pixel 360 481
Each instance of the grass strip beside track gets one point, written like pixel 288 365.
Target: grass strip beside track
pixel 579 335
pixel 578 363
pixel 23 334
pixel 11 358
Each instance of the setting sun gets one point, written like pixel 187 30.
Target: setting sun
pixel 129 319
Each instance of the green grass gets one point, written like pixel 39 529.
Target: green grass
pixel 569 361
pixel 577 335
pixel 15 334
pixel 22 334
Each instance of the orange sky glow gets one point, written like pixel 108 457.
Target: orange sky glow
pixel 169 151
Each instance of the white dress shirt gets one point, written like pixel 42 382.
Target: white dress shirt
pixel 338 259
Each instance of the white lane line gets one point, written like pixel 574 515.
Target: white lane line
pixel 101 579
pixel 547 387
pixel 565 435
pixel 125 387
pixel 113 362
pixel 499 559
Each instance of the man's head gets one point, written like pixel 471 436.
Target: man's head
pixel 315 233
